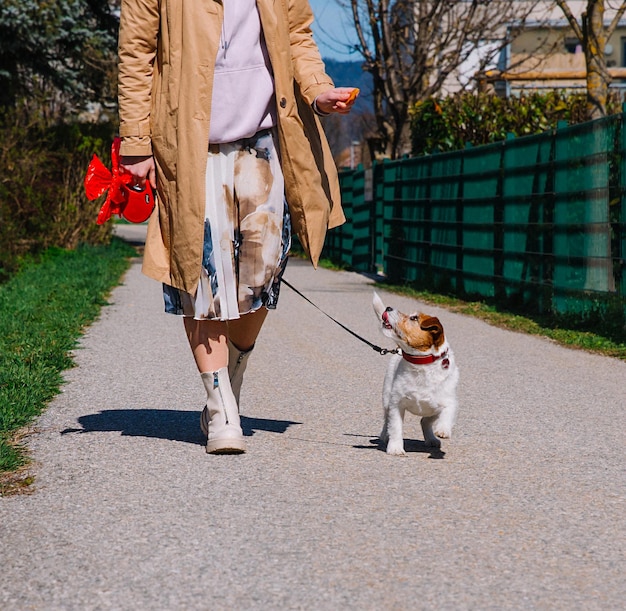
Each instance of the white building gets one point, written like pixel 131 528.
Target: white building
pixel 546 50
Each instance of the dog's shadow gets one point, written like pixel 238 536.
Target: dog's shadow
pixel 173 425
pixel 410 446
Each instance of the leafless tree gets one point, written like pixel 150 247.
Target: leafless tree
pixel 593 34
pixel 413 48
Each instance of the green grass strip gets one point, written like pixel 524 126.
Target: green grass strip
pixel 607 339
pixel 43 311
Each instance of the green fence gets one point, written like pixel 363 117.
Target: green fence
pixel 538 222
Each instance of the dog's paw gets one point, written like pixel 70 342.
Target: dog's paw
pixel 396 449
pixel 433 443
pixel 443 433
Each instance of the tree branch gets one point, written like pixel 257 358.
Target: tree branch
pixel 616 19
pixel 562 4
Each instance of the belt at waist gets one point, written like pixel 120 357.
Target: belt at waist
pixel 215 148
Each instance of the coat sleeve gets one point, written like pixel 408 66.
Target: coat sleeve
pixel 139 30
pixel 309 70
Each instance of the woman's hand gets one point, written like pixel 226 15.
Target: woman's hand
pixel 336 100
pixel 142 169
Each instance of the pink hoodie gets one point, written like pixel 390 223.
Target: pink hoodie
pixel 243 88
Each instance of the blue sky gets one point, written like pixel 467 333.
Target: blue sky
pixel 333 24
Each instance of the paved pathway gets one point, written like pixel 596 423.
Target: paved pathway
pixel 525 511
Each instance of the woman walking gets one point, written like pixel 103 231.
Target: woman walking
pixel 218 103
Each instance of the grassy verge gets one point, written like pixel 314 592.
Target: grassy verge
pixel 601 337
pixel 43 311
pixel 604 339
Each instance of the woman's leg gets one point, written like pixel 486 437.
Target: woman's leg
pixel 242 332
pixel 220 417
pixel 208 338
pixel 208 342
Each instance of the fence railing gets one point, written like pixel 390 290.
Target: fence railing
pixel 538 221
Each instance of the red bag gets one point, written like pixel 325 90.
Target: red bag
pixel 124 198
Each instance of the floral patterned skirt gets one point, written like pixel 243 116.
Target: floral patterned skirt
pixel 247 233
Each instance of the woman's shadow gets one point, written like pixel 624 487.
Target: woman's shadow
pixel 174 425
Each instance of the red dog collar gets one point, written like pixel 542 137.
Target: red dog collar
pixel 427 359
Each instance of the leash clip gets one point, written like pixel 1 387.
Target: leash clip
pixel 384 351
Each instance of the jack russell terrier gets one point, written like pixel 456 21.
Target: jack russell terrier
pixel 422 379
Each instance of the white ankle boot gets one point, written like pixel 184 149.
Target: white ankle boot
pixel 237 363
pixel 219 420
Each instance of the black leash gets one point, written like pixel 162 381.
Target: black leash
pixel 378 349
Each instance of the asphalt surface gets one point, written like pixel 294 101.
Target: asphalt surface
pixel 524 510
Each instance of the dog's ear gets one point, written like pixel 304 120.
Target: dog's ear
pixel 433 326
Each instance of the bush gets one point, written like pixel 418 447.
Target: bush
pixel 42 201
pixel 448 124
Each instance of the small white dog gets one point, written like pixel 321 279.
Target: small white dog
pixel 421 380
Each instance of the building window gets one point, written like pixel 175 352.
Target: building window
pixel 573 45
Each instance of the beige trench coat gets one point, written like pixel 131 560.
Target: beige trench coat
pixel 167 51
